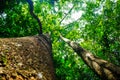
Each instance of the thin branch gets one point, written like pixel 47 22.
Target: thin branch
pixel 67 25
pixel 75 46
pixel 67 14
pixel 65 39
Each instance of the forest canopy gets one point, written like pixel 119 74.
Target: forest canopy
pixel 94 24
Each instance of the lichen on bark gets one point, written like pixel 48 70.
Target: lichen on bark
pixel 26 58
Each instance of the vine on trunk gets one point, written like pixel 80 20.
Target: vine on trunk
pixel 35 16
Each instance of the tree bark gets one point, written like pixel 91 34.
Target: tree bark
pixel 104 69
pixel 26 58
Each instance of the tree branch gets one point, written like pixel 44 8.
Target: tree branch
pixel 67 14
pixel 104 69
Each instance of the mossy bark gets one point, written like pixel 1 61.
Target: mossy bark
pixel 26 58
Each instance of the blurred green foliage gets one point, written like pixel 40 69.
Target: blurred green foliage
pixel 98 30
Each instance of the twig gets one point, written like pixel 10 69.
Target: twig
pixel 67 14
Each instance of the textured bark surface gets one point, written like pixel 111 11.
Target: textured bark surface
pixel 104 69
pixel 26 58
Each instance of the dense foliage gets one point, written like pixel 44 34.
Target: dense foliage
pixel 97 30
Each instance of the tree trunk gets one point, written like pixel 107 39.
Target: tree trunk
pixel 104 69
pixel 26 58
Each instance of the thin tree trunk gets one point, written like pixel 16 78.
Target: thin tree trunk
pixel 104 69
